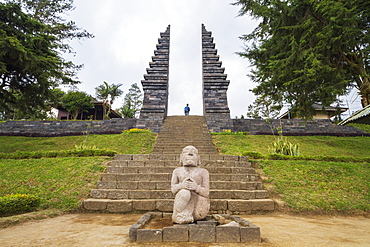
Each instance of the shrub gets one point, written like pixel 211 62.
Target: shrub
pixel 135 130
pixel 254 155
pixel 18 203
pixel 284 147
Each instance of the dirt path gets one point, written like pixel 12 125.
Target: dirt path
pixel 112 230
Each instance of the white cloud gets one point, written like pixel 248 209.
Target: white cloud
pixel 126 33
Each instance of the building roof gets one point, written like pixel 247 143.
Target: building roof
pixel 357 115
pixel 319 107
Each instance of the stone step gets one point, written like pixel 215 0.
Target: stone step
pixel 176 163
pixel 230 206
pixel 162 185
pixel 245 171
pixel 116 194
pixel 211 157
pixel 146 177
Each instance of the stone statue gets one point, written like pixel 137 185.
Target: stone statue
pixel 190 185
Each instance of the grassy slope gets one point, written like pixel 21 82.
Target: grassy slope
pixel 304 185
pixel 312 185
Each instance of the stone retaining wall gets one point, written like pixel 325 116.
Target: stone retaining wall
pixel 65 128
pixel 294 127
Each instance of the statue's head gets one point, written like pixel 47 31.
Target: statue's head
pixel 189 156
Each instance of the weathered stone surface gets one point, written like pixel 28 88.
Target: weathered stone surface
pixel 175 234
pixel 202 233
pixel 250 234
pixel 119 206
pixel 95 204
pixel 149 235
pixel 146 205
pixel 228 234
pixel 263 204
pixel 164 205
pixel 133 232
pixel 190 185
pixel 239 205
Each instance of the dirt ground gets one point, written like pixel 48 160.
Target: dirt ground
pixel 112 230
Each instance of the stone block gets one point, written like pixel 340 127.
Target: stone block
pixel 143 205
pixel 118 206
pixel 125 177
pixel 139 194
pixel 146 169
pixel 202 233
pixel 108 177
pixel 239 205
pixel 117 194
pixel 262 194
pixel 146 185
pixel 263 204
pixel 250 234
pixel 127 185
pixel 244 194
pixel 129 169
pixel 217 205
pixel 164 205
pixel 175 234
pixel 140 157
pixel 95 204
pixel 228 234
pixel 133 232
pixel 114 169
pixel 162 185
pixel 98 193
pixel 149 235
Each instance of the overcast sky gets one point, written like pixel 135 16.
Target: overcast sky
pixel 126 33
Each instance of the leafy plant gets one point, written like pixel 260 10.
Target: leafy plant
pixel 283 146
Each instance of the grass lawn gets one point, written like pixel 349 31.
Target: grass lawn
pixel 325 187
pixel 308 145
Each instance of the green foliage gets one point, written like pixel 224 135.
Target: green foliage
pixel 31 62
pixel 284 147
pixel 79 151
pixel 17 203
pixel 76 102
pixel 364 127
pixel 321 186
pixel 229 132
pixel 264 106
pixel 132 102
pixel 307 52
pixel 108 93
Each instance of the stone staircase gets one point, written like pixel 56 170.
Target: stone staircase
pixel 143 182
pixel 178 132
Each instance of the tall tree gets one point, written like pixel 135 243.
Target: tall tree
pixel 76 102
pixel 31 62
pixel 108 93
pixel 132 102
pixel 309 51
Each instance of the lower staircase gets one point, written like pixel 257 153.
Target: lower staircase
pixel 143 182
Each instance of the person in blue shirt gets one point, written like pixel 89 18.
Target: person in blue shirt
pixel 187 110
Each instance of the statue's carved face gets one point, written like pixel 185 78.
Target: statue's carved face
pixel 189 156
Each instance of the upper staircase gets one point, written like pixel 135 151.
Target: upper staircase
pixel 143 182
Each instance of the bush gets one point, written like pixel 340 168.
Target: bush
pixel 254 155
pixel 18 203
pixel 53 154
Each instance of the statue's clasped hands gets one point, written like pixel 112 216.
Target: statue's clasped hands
pixel 189 184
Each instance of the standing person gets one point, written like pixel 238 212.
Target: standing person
pixel 187 110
